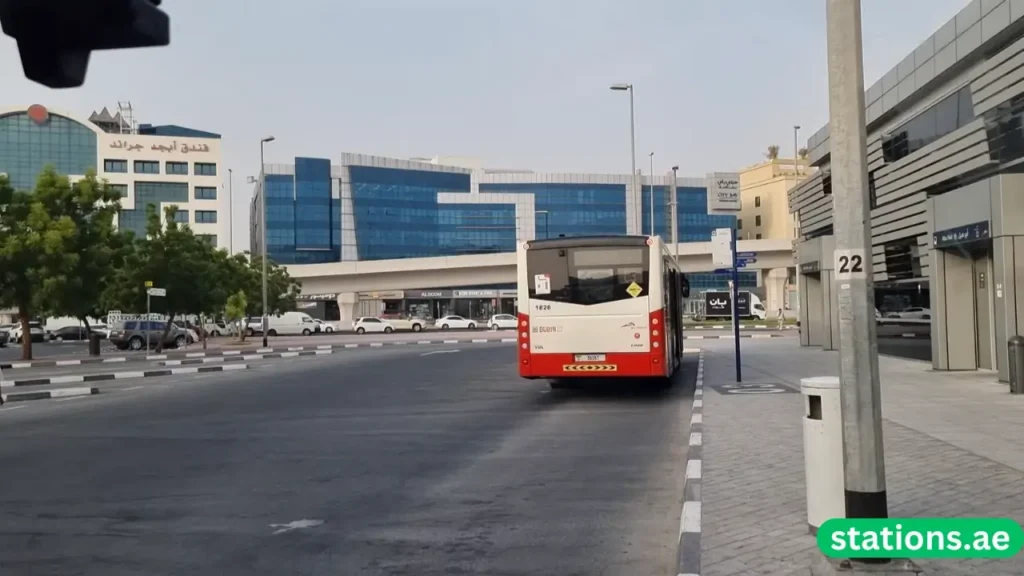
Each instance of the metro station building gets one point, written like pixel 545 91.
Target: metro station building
pixel 946 186
pixel 371 235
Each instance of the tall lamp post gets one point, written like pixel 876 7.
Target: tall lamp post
pixel 796 150
pixel 651 155
pixel 263 233
pixel 231 213
pixel 675 213
pixel 632 132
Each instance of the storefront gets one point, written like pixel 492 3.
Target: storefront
pixel 322 306
pixel 478 304
pixel 428 304
pixel 382 304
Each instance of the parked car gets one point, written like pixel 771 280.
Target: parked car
pixel 915 313
pixel 253 326
pixel 5 330
pixel 500 321
pixel 456 322
pixel 69 333
pixel 325 326
pixel 35 329
pixel 371 324
pixel 410 323
pixel 132 335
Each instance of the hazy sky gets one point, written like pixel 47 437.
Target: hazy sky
pixel 521 84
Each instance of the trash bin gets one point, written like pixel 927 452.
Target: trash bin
pixel 823 450
pixel 94 344
pixel 1015 346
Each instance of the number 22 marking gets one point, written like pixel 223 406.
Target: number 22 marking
pixel 853 264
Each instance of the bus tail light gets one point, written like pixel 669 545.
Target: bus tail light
pixel 523 342
pixel 657 335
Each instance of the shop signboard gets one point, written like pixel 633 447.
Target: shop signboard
pixel 382 295
pixel 317 297
pixel 427 294
pixel 476 293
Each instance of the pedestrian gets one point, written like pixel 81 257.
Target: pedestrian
pixel 782 319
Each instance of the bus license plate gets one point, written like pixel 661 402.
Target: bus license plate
pixel 590 357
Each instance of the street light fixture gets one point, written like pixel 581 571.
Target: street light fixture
pixel 651 155
pixel 675 213
pixel 796 150
pixel 263 229
pixel 632 136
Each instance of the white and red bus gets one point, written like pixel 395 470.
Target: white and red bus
pixel 599 306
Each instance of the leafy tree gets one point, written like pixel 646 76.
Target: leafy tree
pixel 172 258
pixel 75 287
pixel 32 243
pixel 802 153
pixel 234 311
pixel 282 289
pixel 773 152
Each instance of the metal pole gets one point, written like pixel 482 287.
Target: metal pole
pixel 231 213
pixel 675 216
pixel 796 150
pixel 863 456
pixel 632 145
pixel 263 233
pixel 652 192
pixel 148 318
pixel 735 297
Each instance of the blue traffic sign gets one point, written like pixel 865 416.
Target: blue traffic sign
pixel 746 260
pixel 723 270
pixel 741 264
pixel 747 255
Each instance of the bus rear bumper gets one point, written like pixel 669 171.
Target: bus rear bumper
pixel 625 365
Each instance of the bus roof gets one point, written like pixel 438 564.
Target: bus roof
pixel 588 241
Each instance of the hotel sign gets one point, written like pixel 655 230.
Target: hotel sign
pixel 184 148
pixel 723 193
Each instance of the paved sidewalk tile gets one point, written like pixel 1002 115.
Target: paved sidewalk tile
pixel 754 503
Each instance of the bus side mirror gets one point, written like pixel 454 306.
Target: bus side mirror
pixel 686 288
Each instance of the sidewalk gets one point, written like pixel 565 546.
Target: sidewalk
pixel 954 447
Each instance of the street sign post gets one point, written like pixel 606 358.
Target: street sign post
pixel 735 289
pixel 151 292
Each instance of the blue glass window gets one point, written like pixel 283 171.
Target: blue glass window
pixel 147 167
pixel 179 168
pixel 27 147
pixel 206 217
pixel 396 215
pixel 205 193
pixel 205 169
pixel 693 220
pixel 181 216
pixel 150 193
pixel 704 281
pixel 115 166
pixel 573 209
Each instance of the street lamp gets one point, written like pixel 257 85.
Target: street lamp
pixel 675 213
pixel 796 150
pixel 231 213
pixel 263 229
pixel 632 131
pixel 651 155
pixel 545 214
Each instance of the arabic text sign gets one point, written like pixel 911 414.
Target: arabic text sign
pixel 717 304
pixel 723 193
pixel 961 234
pixel 174 146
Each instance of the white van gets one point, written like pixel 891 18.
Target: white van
pixel 291 324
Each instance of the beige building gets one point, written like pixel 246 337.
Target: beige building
pixel 764 197
pixel 765 215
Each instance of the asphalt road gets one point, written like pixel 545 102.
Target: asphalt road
pixel 379 461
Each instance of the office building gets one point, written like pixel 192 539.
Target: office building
pixel 384 213
pixel 156 165
pixel 945 149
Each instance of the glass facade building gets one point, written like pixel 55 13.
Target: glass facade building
pixel 371 208
pixel 149 165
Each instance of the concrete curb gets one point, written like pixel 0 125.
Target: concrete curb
pixel 688 555
pixel 118 376
pixel 49 394
pixel 243 358
pixel 324 347
pixel 55 363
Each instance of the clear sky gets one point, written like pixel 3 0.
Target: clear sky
pixel 521 84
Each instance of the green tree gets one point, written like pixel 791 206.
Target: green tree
pixel 75 287
pixel 173 258
pixel 773 152
pixel 234 311
pixel 32 243
pixel 282 289
pixel 802 153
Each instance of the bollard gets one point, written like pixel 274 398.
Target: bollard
pixel 1015 347
pixel 94 344
pixel 823 450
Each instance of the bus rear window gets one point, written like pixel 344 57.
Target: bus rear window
pixel 587 276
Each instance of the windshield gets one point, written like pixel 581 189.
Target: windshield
pixel 586 276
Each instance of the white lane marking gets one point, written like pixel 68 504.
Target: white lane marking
pixel 296 525
pixel 690 518
pixel 440 352
pixel 693 469
pixel 450 342
pixel 696 439
pixel 69 398
pixel 13 407
pixel 132 388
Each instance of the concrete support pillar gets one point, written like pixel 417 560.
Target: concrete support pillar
pixel 347 302
pixel 775 291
